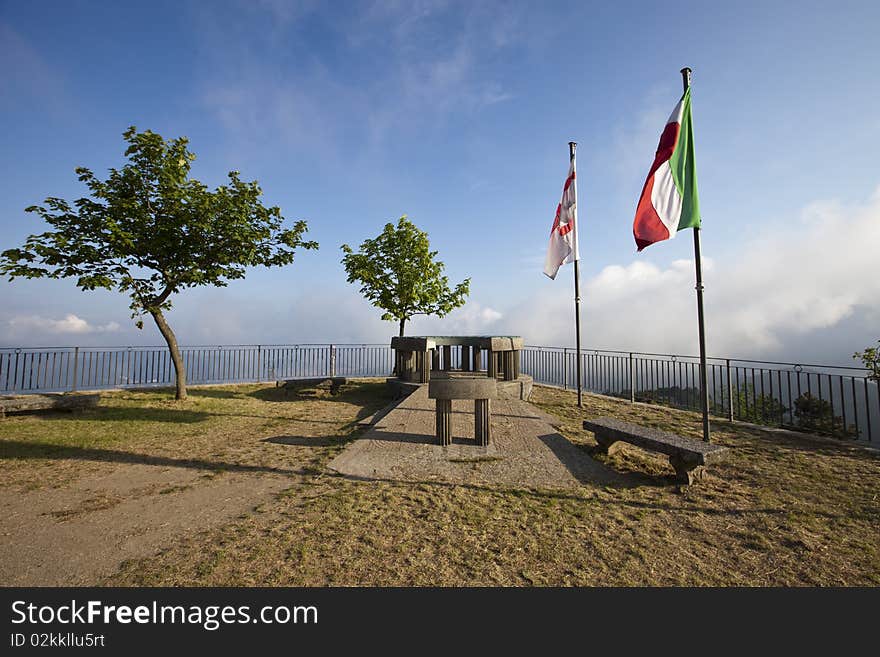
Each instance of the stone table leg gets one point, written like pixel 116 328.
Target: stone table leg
pixel 478 357
pixel 465 358
pixel 447 357
pixel 435 359
pixel 492 363
pixel 509 368
pixel 444 422
pixel 482 419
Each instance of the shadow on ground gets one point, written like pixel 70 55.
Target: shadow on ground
pixel 143 414
pixel 14 449
pixel 307 441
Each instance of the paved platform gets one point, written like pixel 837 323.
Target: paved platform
pixel 526 451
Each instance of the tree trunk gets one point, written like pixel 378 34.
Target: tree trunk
pixel 179 368
pixel 402 322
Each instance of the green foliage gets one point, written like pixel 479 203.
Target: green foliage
pixel 674 396
pixel 759 409
pixel 150 230
pixel 870 357
pixel 398 273
pixel 817 416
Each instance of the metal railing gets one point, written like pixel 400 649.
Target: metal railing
pixel 58 369
pixel 837 401
pixel 832 400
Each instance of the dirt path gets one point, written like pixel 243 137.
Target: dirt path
pixel 82 533
pixel 525 452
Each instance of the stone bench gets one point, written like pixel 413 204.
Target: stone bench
pixel 689 457
pixel 480 389
pixel 56 402
pixel 331 383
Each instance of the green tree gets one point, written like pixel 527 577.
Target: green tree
pixel 150 231
pixel 398 273
pixel 758 409
pixel 816 415
pixel 870 357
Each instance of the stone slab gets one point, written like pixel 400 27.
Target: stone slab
pixel 61 401
pixel 695 451
pixel 425 342
pixel 519 389
pixel 413 343
pixel 463 387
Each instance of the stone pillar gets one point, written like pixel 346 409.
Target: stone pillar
pixel 478 356
pixel 444 421
pixel 516 364
pixel 492 364
pixel 405 367
pixel 508 365
pixel 482 418
pixel 423 369
pixel 447 357
pixel 435 359
pixel 465 358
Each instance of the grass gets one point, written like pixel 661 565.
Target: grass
pixel 781 511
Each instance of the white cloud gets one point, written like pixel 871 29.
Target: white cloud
pixel 70 324
pixel 795 277
pixel 471 319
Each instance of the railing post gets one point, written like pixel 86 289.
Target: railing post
pixel 259 363
pixel 332 361
pixel 730 393
pixel 75 368
pixel 632 380
pixel 565 368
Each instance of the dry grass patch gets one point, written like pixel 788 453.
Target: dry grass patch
pixel 781 511
pixel 218 429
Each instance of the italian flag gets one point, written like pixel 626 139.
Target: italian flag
pixel 669 201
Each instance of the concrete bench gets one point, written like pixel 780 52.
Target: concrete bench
pixel 331 383
pixel 689 457
pixel 56 402
pixel 480 389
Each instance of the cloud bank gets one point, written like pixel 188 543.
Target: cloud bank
pixel 793 278
pixel 27 326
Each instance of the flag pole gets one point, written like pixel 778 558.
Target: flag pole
pixel 572 147
pixel 704 378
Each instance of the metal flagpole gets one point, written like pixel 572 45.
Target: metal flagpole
pixel 704 378
pixel 572 146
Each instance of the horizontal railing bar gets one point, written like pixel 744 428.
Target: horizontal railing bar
pixel 584 351
pixel 721 359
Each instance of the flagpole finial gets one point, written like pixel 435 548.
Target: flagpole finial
pixel 686 77
pixel 572 146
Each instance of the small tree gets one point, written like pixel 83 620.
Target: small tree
pixel 870 357
pixel 817 416
pixel 399 274
pixel 150 231
pixel 758 409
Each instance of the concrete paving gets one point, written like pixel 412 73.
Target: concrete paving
pixel 526 451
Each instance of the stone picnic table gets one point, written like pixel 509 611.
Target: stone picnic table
pixel 416 356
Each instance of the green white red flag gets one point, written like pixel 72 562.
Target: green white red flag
pixel 669 201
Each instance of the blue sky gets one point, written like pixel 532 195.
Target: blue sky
pixel 459 114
